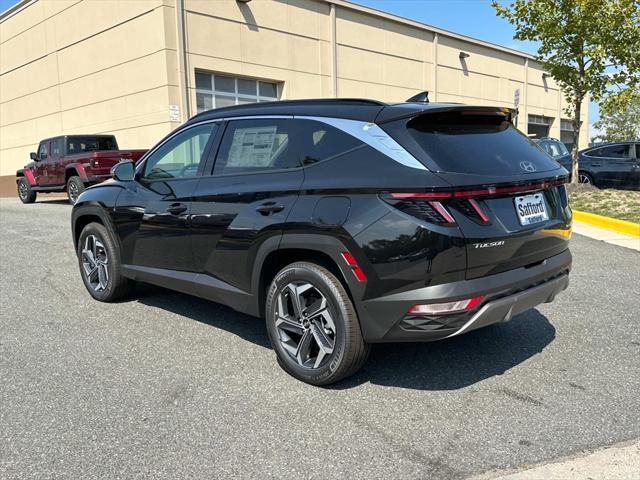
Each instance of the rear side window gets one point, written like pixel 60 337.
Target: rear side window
pixel 274 144
pixel 614 151
pixel 319 141
pixel 254 145
pixel 90 144
pixel 471 142
pixel 55 148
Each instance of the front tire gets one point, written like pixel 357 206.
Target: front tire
pixel 25 194
pixel 100 267
pixel 74 188
pixel 313 326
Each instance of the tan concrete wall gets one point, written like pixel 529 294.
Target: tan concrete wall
pixel 98 66
pixel 83 67
pixel 282 41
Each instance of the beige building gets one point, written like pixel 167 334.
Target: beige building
pixel 138 68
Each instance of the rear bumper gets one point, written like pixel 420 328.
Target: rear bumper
pixel 385 319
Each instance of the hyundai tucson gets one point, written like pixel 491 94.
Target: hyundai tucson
pixel 342 222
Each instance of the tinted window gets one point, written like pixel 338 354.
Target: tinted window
pixel 254 145
pixel 43 151
pixel 475 143
pixel 556 149
pixel 55 148
pixel 319 141
pixel 90 144
pixel 614 151
pixel 180 156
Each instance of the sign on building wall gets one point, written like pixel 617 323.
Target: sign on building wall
pixel 174 113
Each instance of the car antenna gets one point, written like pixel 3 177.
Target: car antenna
pixel 422 97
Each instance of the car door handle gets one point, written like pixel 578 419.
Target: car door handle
pixel 177 208
pixel 269 208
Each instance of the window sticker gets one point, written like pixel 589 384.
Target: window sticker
pixel 252 147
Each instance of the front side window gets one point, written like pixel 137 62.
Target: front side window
pixel 43 151
pixel 179 157
pixel 216 91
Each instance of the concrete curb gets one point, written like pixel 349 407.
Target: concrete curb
pixel 620 226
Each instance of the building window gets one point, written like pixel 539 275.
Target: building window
pixel 215 91
pixel 566 133
pixel 539 126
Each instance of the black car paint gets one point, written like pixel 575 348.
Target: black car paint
pixel 211 235
pixel 609 171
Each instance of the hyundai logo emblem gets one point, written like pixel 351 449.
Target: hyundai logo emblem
pixel 528 167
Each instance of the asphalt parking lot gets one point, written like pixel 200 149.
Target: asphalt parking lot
pixel 167 385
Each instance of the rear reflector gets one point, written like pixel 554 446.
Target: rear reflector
pixel 355 268
pixel 445 308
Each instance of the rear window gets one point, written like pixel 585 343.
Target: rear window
pixel 90 144
pixel 472 142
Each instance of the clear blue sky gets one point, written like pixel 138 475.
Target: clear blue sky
pixel 474 18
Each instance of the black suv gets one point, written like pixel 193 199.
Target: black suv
pixel 343 222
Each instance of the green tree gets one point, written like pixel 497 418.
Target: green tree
pixel 619 116
pixel 586 45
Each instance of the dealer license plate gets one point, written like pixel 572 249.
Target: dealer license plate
pixel 531 209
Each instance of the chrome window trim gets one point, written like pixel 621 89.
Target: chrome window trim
pixel 368 133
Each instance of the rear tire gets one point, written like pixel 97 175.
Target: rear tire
pixel 317 338
pixel 25 194
pixel 584 177
pixel 74 188
pixel 100 266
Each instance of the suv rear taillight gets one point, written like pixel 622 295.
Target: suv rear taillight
pixel 420 206
pixel 434 206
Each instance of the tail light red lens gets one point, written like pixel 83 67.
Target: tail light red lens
pixel 446 307
pixel 433 206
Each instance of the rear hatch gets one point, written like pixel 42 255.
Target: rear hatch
pixel 506 195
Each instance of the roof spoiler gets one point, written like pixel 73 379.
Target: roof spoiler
pixel 422 97
pixel 398 111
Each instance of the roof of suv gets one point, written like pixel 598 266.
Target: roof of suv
pixel 347 108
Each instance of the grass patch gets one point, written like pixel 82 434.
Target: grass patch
pixel 620 204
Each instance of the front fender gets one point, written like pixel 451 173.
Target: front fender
pixel 96 202
pixel 28 174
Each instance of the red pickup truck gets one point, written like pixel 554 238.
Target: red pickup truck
pixel 70 163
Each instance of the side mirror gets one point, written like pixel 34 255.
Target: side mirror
pixel 34 156
pixel 123 171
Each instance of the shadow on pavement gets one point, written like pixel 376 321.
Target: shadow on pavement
pixel 54 201
pixel 445 365
pixel 246 327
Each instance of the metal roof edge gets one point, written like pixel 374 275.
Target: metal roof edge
pixel 425 26
pixel 9 12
